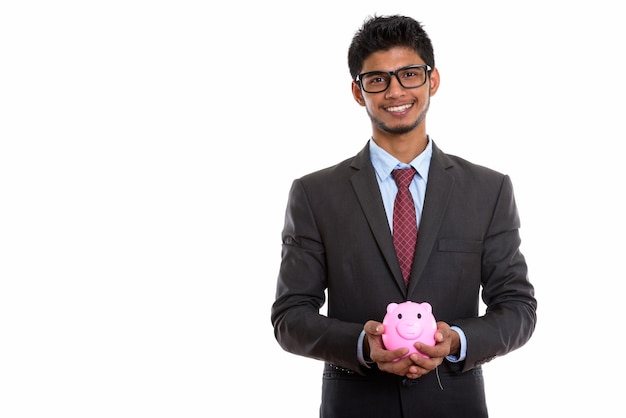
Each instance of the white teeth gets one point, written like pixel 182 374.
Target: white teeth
pixel 399 108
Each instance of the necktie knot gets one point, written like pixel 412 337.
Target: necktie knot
pixel 403 176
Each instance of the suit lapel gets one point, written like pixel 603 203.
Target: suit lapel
pixel 440 184
pixel 368 193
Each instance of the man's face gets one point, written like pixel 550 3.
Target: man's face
pixel 397 110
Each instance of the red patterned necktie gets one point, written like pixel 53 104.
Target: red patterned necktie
pixel 404 222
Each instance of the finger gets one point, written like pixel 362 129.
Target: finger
pixel 426 364
pixel 386 356
pixel 443 331
pixel 431 351
pixel 400 367
pixel 373 328
pixel 414 369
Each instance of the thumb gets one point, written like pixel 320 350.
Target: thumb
pixel 374 328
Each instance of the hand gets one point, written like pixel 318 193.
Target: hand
pixel 387 360
pixel 415 365
pixel 446 342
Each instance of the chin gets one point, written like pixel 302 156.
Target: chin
pixel 398 129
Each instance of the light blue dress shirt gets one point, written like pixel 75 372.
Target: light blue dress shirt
pixel 384 163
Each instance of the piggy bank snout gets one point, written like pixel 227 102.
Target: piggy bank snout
pixel 409 329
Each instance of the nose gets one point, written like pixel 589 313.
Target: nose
pixel 395 89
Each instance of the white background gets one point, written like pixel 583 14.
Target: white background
pixel 129 285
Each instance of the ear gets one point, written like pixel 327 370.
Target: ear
pixel 357 93
pixel 391 307
pixel 434 80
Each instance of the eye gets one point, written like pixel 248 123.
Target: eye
pixel 399 316
pixel 410 74
pixel 374 79
pixel 419 316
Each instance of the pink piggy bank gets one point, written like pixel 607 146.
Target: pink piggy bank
pixel 407 323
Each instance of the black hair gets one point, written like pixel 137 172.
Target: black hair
pixel 381 33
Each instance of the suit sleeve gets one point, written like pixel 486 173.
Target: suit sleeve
pixel 510 317
pixel 300 293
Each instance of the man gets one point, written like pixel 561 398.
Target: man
pixel 338 238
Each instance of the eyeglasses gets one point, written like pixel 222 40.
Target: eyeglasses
pixel 410 77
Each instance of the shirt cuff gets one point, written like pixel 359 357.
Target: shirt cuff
pixel 463 352
pixel 359 352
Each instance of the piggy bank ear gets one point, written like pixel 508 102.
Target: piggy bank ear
pixel 427 306
pixel 391 307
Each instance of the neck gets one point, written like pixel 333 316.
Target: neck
pixel 404 147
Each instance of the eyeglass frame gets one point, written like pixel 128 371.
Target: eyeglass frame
pixel 426 67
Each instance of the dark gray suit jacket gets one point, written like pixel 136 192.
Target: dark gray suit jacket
pixel 337 243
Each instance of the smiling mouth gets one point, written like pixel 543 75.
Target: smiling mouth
pixel 399 108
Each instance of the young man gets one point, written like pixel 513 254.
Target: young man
pixel 338 238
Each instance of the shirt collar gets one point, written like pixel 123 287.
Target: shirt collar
pixel 384 163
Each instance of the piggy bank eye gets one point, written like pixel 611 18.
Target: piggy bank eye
pixel 399 316
pixel 419 316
